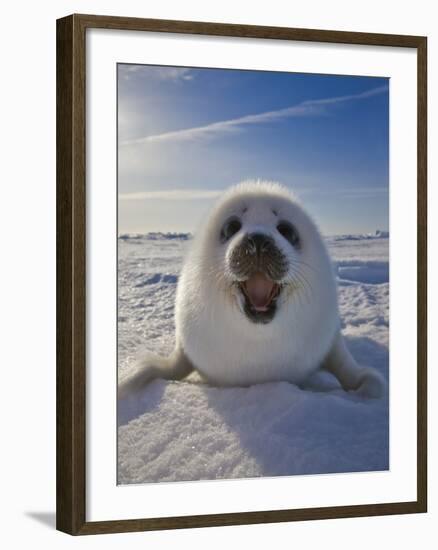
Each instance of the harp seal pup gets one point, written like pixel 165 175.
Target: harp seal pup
pixel 257 300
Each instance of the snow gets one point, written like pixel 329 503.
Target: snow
pixel 178 431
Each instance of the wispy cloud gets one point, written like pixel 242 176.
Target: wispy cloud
pixel 172 194
pixel 345 193
pixel 305 108
pixel 196 194
pixel 129 72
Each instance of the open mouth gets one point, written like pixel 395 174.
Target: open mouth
pixel 260 294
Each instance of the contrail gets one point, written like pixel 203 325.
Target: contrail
pixel 305 108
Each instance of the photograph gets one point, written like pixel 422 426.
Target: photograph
pixel 253 284
pixel 219 275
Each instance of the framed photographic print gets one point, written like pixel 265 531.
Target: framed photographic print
pixel 241 274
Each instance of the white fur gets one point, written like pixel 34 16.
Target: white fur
pixel 212 330
pixel 225 346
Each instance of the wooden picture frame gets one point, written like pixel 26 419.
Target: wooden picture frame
pixel 71 273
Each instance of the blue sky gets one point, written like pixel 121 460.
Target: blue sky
pixel 186 134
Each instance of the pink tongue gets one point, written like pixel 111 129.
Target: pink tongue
pixel 259 289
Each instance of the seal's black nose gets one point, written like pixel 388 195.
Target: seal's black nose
pixel 259 242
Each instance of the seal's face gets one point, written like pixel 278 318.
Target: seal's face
pixel 262 248
pixel 258 267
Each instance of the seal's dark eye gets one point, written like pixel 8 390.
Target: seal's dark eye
pixel 231 227
pixel 288 231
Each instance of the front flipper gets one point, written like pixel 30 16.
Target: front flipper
pixel 366 381
pixel 174 367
